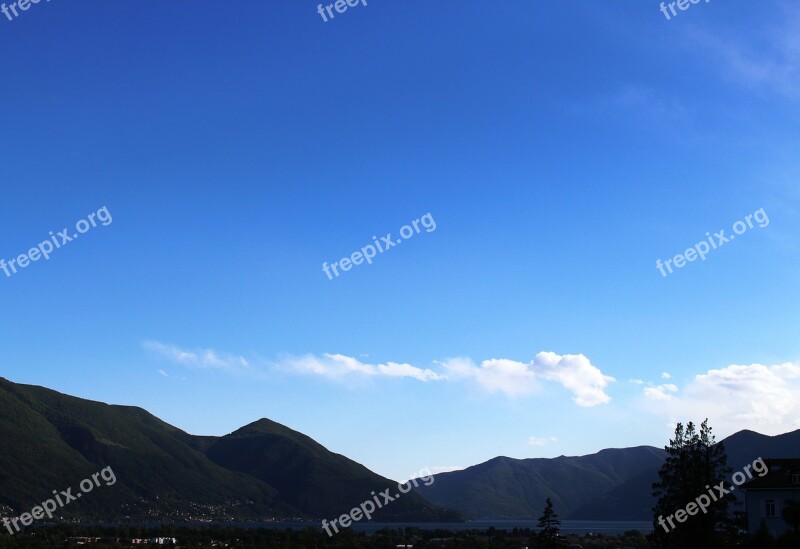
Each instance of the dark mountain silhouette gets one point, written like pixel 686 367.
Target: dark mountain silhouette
pixel 633 499
pixel 746 446
pixel 309 477
pixel 610 485
pixel 265 470
pixel 517 488
pixel 52 441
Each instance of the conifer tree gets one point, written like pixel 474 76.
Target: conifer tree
pixel 695 465
pixel 548 525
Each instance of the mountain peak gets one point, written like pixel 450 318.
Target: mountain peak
pixel 263 426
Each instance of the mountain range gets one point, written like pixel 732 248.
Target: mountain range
pixel 266 471
pixel 263 471
pixel 613 484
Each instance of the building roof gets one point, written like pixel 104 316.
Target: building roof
pixel 779 476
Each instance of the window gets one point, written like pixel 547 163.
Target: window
pixel 769 508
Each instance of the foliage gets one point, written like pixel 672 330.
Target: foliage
pixel 548 524
pixel 694 466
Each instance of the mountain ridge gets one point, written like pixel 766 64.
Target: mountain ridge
pixel 612 487
pixel 266 470
pixel 52 441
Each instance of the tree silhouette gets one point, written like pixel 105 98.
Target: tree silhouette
pixel 548 524
pixel 695 465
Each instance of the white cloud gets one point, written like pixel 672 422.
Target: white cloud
pixel 665 375
pixel 163 373
pixel 660 392
pixel 543 441
pixel 577 374
pixel 335 366
pixel 511 378
pixel 514 379
pixel 200 358
pixel 758 397
pixel 636 381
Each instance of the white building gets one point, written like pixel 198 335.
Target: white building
pixel 766 497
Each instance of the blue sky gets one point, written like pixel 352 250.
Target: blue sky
pixel 561 148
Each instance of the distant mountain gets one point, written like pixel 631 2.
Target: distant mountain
pixel 517 488
pixel 746 446
pixel 311 478
pixel 633 500
pixel 52 441
pixel 609 485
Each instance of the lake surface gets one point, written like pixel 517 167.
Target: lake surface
pixel 580 527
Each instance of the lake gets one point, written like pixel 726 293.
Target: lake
pixel 579 527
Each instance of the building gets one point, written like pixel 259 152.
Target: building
pixel 766 497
